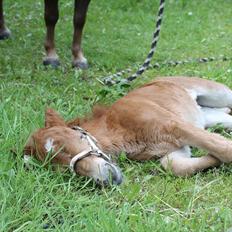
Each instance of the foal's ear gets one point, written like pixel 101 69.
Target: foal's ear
pixel 52 118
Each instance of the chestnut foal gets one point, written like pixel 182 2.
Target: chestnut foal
pixel 51 16
pixel 161 120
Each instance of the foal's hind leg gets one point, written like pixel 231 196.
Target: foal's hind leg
pixel 217 95
pixel 4 31
pixel 80 10
pixel 181 163
pixel 207 93
pixel 51 15
pixel 214 144
pixel 214 116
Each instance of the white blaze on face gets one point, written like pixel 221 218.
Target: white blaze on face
pixel 49 145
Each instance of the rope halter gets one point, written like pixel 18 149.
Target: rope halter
pixel 93 149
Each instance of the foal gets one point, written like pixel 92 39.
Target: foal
pixel 51 16
pixel 161 120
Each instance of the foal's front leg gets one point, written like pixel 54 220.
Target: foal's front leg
pixel 80 10
pixel 4 31
pixel 51 16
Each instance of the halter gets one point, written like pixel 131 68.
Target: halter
pixel 93 149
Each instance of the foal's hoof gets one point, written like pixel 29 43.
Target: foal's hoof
pixel 80 64
pixel 5 34
pixel 54 63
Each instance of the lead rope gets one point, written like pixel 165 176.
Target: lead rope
pixel 109 80
pixel 169 63
pixel 114 78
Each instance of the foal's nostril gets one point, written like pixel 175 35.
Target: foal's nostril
pixel 102 182
pixel 105 182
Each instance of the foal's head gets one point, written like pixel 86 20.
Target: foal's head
pixel 60 144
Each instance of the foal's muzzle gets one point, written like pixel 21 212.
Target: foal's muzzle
pixel 109 174
pixel 103 171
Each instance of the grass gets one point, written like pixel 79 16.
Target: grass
pixel 117 36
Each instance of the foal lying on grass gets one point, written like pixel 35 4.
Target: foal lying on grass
pixel 161 120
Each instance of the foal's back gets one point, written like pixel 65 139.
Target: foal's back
pixel 163 99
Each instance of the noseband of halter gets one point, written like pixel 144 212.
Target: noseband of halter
pixel 93 149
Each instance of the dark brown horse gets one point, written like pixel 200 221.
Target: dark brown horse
pixel 4 31
pixel 51 16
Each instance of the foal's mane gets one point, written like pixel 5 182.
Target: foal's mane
pixel 97 112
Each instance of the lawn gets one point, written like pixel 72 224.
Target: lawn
pixel 117 36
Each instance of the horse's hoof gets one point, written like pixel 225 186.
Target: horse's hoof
pixel 54 63
pixel 80 64
pixel 5 34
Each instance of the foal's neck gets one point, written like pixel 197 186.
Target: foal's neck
pixel 105 137
pixel 112 140
pixel 111 136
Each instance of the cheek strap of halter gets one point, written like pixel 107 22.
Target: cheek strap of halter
pixel 79 157
pixel 93 149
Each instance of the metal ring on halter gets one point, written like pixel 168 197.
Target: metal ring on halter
pixel 92 150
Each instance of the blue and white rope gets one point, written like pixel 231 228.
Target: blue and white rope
pixel 114 78
pixel 109 80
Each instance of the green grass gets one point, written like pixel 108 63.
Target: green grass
pixel 117 36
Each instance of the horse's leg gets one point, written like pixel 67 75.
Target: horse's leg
pixel 181 163
pixel 51 16
pixel 214 116
pixel 4 31
pixel 80 10
pixel 215 144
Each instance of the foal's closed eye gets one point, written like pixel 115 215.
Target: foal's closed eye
pixel 29 151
